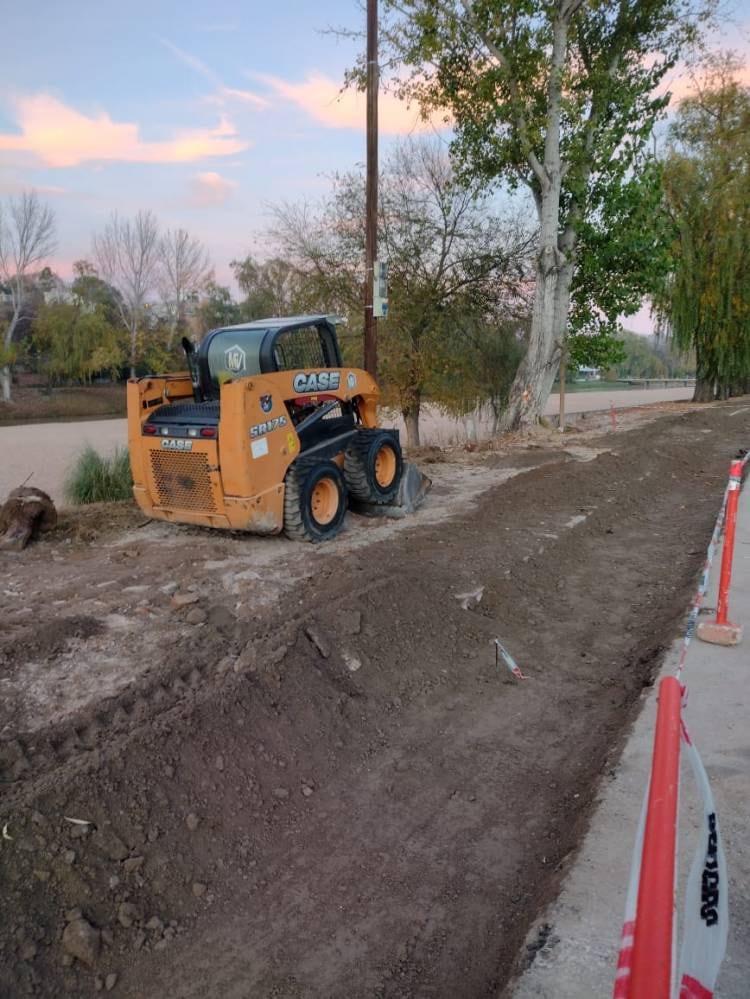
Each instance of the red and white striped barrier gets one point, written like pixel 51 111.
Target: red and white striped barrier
pixel 722 631
pixel 647 967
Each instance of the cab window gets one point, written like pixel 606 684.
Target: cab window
pixel 304 347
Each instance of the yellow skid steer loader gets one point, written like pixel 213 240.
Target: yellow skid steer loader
pixel 268 431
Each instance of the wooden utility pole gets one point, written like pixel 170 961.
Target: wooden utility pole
pixel 371 193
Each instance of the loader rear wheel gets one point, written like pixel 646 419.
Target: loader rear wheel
pixel 314 501
pixel 373 466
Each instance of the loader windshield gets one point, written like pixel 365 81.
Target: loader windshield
pixel 233 354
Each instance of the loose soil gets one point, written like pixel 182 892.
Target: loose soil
pixel 301 772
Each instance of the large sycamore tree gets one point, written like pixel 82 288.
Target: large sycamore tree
pixel 559 97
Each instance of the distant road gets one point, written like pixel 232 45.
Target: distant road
pixel 46 451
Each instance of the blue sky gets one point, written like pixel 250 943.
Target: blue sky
pixel 203 113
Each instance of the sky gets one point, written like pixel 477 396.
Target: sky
pixel 204 113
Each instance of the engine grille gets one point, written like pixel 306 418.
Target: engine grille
pixel 182 481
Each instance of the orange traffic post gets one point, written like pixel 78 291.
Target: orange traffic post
pixel 651 969
pixel 721 631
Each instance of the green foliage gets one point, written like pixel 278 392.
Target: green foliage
pixel 649 357
pixel 95 479
pixel 273 288
pixel 218 308
pixel 705 303
pixel 559 97
pixel 623 254
pixel 158 351
pixel 92 294
pixel 70 344
pixel 595 350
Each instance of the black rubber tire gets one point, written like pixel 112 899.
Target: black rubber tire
pixel 300 482
pixel 359 466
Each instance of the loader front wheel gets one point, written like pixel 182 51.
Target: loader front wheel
pixel 314 501
pixel 373 466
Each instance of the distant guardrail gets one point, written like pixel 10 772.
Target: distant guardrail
pixel 656 382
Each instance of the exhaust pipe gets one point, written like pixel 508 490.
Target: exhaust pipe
pixel 189 349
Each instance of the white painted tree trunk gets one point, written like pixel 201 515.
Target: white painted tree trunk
pixel 554 266
pixel 536 373
pixel 5 374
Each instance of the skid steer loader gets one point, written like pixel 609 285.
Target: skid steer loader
pixel 268 431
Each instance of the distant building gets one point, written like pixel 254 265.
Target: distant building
pixel 587 374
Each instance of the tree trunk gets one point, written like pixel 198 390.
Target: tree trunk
pixel 133 348
pixel 536 372
pixel 411 422
pixel 5 374
pixel 704 389
pixel 554 265
pixel 5 382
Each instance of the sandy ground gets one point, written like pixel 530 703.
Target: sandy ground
pixel 298 772
pixel 46 451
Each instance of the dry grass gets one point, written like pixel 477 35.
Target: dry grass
pixel 33 405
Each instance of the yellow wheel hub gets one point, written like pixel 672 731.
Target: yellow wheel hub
pixel 324 501
pixel 385 466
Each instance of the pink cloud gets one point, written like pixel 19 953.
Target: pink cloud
pixel 60 136
pixel 210 188
pixel 322 98
pixel 682 84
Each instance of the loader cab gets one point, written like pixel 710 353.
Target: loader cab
pixel 263 347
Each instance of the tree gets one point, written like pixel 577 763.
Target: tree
pixel 557 96
pixel 127 257
pixel 273 288
pixel 218 308
pixel 184 269
pixel 454 264
pixel 27 236
pixel 91 293
pixel 705 303
pixel 69 343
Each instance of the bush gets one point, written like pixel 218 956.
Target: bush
pixel 95 479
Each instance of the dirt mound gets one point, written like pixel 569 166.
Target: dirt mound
pixel 339 794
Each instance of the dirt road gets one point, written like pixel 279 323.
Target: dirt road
pixel 302 773
pixel 46 451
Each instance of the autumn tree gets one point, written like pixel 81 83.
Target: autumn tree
pixel 127 258
pixel 705 303
pixel 558 97
pixel 454 262
pixel 27 236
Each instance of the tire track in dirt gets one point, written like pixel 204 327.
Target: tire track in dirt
pixel 388 831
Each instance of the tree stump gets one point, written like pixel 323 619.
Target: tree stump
pixel 26 513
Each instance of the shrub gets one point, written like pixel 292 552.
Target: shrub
pixel 95 479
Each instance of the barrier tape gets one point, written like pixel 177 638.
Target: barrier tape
pixel 706 919
pixel 706 915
